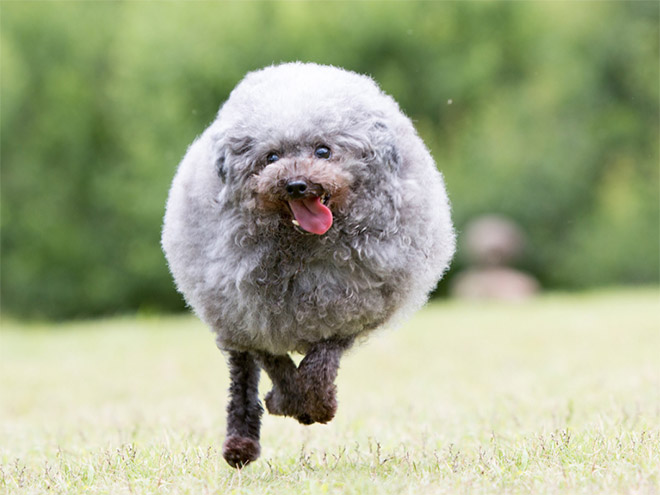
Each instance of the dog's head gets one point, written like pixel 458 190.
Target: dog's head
pixel 298 143
pixel 305 185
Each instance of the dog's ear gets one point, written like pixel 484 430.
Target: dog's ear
pixel 219 156
pixel 383 150
pixel 229 156
pixel 220 165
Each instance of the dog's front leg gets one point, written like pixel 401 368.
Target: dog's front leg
pixel 285 398
pixel 316 378
pixel 243 412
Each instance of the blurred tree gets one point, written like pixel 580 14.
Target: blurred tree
pixel 546 112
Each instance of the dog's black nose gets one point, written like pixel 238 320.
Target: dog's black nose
pixel 296 188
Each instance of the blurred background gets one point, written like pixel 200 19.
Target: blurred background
pixel 544 113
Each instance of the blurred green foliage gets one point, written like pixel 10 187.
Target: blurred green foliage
pixel 547 112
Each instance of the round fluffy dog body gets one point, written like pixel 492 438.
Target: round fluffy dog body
pixel 309 211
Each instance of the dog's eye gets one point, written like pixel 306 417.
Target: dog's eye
pixel 272 157
pixel 322 152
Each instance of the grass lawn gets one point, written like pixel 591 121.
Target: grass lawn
pixel 558 395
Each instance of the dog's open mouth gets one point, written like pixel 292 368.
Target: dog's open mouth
pixel 311 214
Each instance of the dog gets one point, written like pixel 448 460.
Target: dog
pixel 308 214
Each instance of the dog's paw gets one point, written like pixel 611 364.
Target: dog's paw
pixel 273 403
pixel 240 451
pixel 305 419
pixel 322 413
pixel 320 406
pixel 279 404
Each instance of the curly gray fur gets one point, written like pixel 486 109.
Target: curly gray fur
pixel 252 277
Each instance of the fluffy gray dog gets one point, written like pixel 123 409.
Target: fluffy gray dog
pixel 309 213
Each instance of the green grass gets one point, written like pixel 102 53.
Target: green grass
pixel 558 395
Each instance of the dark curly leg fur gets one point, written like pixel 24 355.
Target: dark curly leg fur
pixel 285 398
pixel 316 377
pixel 243 412
pixel 307 393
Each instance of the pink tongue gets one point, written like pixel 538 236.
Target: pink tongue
pixel 312 215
